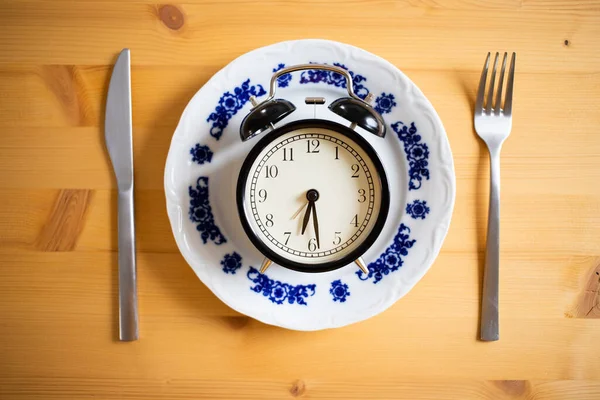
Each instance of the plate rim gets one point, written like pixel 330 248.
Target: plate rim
pixel 440 228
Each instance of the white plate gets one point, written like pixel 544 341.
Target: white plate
pixel 206 153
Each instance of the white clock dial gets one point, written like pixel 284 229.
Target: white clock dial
pixel 317 179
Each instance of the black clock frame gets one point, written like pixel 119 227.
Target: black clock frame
pixel 329 265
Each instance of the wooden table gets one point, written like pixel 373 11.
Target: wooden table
pixel 58 244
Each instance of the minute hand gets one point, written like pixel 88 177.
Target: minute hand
pixel 316 224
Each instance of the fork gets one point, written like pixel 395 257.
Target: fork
pixel 493 124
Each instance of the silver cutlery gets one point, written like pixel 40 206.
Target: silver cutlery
pixel 493 122
pixel 118 134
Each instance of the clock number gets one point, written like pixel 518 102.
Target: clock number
pixel 287 239
pixel 312 146
pixel 312 244
pixel 269 223
pixel 362 195
pixel 337 239
pixel 355 169
pixel 271 171
pixel 354 221
pixel 337 152
pixel 288 156
pixel 262 195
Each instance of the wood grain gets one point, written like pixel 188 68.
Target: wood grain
pixel 588 302
pixel 299 389
pixel 58 233
pixel 65 222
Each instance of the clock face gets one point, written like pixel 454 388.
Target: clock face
pixel 313 196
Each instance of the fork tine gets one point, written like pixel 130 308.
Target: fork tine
pixel 488 103
pixel 500 82
pixel 509 86
pixel 481 92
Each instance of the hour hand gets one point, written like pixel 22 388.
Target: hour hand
pixel 307 216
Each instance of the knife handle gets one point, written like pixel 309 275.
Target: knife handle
pixel 128 314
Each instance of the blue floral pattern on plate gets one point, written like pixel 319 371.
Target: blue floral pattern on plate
pixel 231 263
pixel 283 80
pixel 391 259
pixel 417 154
pixel 201 213
pixel 335 79
pixel 384 103
pixel 339 291
pixel 230 104
pixel 279 292
pixel 201 154
pixel 417 209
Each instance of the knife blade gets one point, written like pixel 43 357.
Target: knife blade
pixel 118 133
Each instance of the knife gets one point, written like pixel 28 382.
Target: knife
pixel 118 135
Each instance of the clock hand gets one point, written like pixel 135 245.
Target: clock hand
pixel 316 224
pixel 312 195
pixel 307 216
pixel 299 210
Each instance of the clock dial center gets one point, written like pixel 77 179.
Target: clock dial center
pixel 312 195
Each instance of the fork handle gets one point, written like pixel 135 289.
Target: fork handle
pixel 489 301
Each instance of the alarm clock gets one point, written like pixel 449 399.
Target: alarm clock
pixel 312 195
